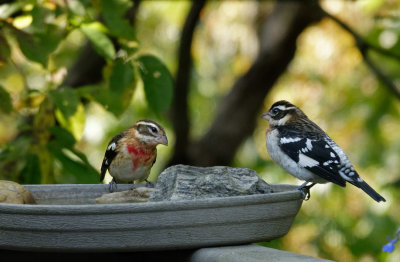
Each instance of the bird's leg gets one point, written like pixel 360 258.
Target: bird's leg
pixel 302 191
pixel 305 190
pixel 112 186
pixel 149 184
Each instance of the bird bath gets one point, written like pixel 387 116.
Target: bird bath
pixel 67 219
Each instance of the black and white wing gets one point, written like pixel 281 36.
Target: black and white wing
pixel 323 157
pixel 110 154
pixel 319 155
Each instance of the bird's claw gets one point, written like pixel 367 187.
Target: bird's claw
pixel 149 184
pixel 112 186
pixel 305 190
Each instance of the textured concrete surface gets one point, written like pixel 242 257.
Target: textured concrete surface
pixel 248 253
pixel 130 227
pixel 183 182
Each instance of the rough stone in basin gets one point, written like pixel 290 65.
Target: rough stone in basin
pixel 135 195
pixel 14 193
pixel 182 182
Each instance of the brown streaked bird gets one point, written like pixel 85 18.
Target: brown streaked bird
pixel 305 151
pixel 131 154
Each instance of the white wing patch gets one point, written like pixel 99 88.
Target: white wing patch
pixel 285 140
pixel 112 146
pixel 308 144
pixel 306 161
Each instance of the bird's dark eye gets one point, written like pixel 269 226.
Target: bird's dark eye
pixel 275 111
pixel 153 129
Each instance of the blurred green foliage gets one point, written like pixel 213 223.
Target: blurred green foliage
pixel 50 117
pixel 54 134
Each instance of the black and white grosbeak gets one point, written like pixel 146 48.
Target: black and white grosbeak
pixel 304 150
pixel 131 154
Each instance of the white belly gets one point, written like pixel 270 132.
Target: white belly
pixel 272 143
pixel 126 173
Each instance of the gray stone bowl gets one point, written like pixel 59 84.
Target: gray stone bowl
pixel 67 220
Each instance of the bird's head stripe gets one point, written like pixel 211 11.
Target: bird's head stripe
pixel 284 108
pixel 147 124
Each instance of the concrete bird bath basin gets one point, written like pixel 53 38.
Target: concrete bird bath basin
pixel 66 219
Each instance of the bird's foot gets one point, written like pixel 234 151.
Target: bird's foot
pixel 149 184
pixel 305 190
pixel 112 186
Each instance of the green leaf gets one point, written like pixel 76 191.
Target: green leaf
pixel 113 13
pixel 117 96
pixel 101 43
pixel 4 50
pixel 111 101
pixel 122 81
pixel 76 7
pixel 66 99
pixel 31 173
pixel 62 137
pixel 12 157
pixel 122 77
pixel 82 173
pixel 157 81
pixel 122 85
pixel 75 123
pixel 70 112
pixel 39 14
pixel 89 91
pixel 5 104
pixel 38 46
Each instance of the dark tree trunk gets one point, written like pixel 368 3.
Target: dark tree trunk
pixel 180 110
pixel 238 110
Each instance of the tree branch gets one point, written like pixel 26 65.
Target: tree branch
pixel 180 118
pixel 363 46
pixel 238 111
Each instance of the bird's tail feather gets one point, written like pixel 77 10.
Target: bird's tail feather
pixel 370 191
pixel 102 174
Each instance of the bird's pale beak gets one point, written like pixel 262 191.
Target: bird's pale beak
pixel 266 116
pixel 163 140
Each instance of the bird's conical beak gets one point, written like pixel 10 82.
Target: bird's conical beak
pixel 163 140
pixel 265 116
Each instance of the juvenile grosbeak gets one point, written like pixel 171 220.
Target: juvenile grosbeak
pixel 131 154
pixel 304 150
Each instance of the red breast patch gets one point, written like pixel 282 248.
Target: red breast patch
pixel 140 156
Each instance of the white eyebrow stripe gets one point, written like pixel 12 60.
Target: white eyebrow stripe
pixel 283 108
pixel 148 124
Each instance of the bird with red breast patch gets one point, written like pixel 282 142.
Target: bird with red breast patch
pixel 131 154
